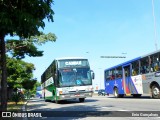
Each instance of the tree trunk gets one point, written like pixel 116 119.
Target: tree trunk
pixel 4 74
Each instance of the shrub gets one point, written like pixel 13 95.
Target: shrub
pixel 17 97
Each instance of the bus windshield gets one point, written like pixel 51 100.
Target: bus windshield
pixel 75 77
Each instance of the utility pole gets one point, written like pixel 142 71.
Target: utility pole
pixel 155 30
pixel 100 78
pixel 0 77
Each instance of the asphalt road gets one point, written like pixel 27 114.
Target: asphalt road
pixel 98 107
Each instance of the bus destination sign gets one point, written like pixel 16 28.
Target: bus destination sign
pixel 73 63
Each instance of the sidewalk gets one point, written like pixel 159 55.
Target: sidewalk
pixel 25 109
pixel 24 106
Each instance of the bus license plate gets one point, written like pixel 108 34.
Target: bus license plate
pixel 77 94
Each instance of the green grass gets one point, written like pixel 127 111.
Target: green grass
pixel 11 106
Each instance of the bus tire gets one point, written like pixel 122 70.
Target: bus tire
pixel 56 101
pixel 155 90
pixel 121 95
pixel 81 99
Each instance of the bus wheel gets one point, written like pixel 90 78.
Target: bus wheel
pixel 115 92
pixel 155 92
pixel 81 99
pixel 47 100
pixel 121 95
pixel 56 101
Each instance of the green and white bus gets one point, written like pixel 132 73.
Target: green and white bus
pixel 67 78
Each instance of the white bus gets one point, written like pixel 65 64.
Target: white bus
pixel 67 78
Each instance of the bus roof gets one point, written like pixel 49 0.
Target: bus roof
pixel 132 60
pixel 151 53
pixel 66 58
pixel 124 63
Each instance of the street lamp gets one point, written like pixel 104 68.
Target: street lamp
pixel 87 54
pixel 100 77
pixel 124 53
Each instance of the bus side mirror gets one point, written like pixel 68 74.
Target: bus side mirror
pixel 56 75
pixel 56 78
pixel 92 74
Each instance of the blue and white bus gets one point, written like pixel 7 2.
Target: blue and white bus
pixel 135 77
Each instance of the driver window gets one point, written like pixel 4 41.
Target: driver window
pixel 127 71
pixel 144 65
pixel 135 68
pixel 118 72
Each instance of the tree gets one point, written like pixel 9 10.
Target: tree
pixel 17 72
pixel 33 91
pixel 23 18
pixel 29 85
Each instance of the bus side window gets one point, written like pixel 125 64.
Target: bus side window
pixel 120 76
pixel 143 70
pixel 155 67
pixel 154 62
pixel 118 72
pixel 158 65
pixel 135 68
pixel 107 76
pixel 126 73
pixel 145 67
pixel 134 72
pixel 117 75
pixel 113 77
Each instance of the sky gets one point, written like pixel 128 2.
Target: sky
pixel 95 28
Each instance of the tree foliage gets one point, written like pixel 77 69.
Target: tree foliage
pixel 33 91
pixel 23 17
pixel 29 84
pixel 20 48
pixel 18 71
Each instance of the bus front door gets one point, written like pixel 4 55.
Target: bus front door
pixel 127 80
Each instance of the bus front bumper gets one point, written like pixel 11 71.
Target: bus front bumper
pixel 75 95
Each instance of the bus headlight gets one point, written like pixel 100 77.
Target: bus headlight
pixel 60 92
pixel 89 89
pixel 63 92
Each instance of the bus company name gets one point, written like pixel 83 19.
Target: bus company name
pixel 73 63
pixel 20 115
